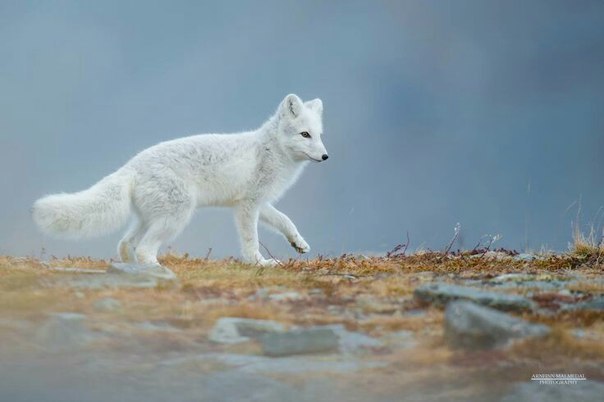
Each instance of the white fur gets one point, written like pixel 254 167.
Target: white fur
pixel 164 184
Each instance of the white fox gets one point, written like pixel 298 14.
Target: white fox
pixel 165 183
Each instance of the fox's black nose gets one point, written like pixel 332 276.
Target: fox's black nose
pixel 324 157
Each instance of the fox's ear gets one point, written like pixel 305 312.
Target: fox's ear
pixel 315 105
pixel 291 106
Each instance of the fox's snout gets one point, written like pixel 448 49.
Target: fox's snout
pixel 325 157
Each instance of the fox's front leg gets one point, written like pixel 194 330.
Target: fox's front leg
pixel 246 217
pixel 278 220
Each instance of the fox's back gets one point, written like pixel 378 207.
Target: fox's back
pixel 218 166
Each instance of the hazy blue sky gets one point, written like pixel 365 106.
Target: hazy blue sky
pixel 487 113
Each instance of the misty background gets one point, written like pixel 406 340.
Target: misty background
pixel 486 113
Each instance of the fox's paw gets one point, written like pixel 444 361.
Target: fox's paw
pixel 300 245
pixel 268 262
pixel 257 259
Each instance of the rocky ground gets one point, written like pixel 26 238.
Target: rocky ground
pixel 421 327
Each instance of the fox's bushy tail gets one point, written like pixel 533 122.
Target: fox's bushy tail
pixel 101 209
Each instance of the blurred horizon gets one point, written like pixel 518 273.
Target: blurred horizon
pixel 486 113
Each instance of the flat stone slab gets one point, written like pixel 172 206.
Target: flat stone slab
pixel 523 277
pixel 117 275
pixel 155 271
pixel 159 326
pixel 231 330
pixel 73 270
pixel 441 293
pixel 350 342
pixel 471 326
pixel 302 341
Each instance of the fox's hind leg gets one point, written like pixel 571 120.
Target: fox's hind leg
pixel 160 230
pixel 126 246
pixel 165 205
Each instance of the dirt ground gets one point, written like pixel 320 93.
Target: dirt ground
pixel 149 341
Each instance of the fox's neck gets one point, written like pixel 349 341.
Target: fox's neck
pixel 273 155
pixel 270 127
pixel 271 146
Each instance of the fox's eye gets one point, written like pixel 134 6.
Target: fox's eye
pixel 305 134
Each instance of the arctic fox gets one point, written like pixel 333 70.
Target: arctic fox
pixel 164 184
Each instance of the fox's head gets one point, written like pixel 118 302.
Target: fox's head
pixel 300 128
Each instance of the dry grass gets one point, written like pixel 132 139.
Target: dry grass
pixel 588 248
pixel 560 347
pixel 371 295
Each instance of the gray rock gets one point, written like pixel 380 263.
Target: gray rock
pixel 155 271
pixel 107 304
pixel 74 270
pixel 470 326
pixel 513 277
pixel 541 281
pixel 441 293
pixel 64 331
pixel 535 392
pixel 350 342
pixel 156 326
pixel 495 255
pixel 525 257
pixel 596 304
pixel 286 296
pixel 302 341
pixel 232 330
pixel 540 285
